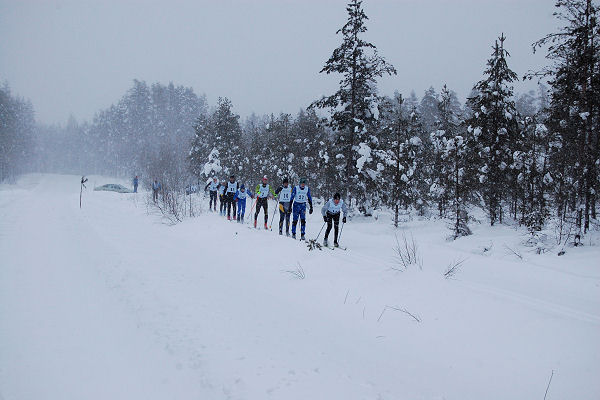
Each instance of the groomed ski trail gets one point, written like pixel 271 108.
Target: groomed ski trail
pixel 63 334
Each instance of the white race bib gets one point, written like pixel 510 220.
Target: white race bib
pixel 285 194
pixel 301 194
pixel 231 187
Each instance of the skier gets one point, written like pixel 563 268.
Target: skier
pixel 156 186
pixel 222 201
pixel 331 211
pixel 135 184
pixel 285 206
pixel 240 198
pixel 263 191
pixel 300 195
pixel 212 186
pixel 232 187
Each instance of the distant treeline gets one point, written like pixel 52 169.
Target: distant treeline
pixel 17 135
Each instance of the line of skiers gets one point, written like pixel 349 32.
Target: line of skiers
pixel 292 201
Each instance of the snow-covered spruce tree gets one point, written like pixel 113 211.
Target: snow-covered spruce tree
pixel 134 130
pixel 533 179
pixel 354 106
pixel 393 132
pixel 428 109
pixel 494 126
pixel 259 151
pixel 277 148
pixel 447 127
pixel 253 129
pixel 461 184
pixel 421 146
pixel 574 114
pixel 529 160
pixel 263 150
pixel 212 168
pixel 309 156
pixel 399 157
pixel 203 152
pixel 218 133
pixel 174 109
pixel 226 125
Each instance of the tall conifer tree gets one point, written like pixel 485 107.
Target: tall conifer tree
pixel 354 106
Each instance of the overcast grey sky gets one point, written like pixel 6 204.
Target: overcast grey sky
pixel 79 56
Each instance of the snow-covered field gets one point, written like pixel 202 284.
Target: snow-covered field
pixel 108 302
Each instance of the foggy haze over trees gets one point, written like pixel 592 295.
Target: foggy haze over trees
pixel 524 156
pixel 17 138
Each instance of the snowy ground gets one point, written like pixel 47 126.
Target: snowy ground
pixel 108 302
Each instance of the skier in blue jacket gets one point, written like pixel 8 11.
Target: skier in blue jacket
pixel 240 198
pixel 300 196
pixel 331 212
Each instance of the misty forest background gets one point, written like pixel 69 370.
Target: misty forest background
pixel 529 157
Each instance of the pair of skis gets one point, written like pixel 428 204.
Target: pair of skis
pixel 334 248
pixel 313 244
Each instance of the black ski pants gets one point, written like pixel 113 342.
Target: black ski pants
pixel 264 203
pixel 212 205
pixel 222 204
pixel 336 222
pixel 285 211
pixel 230 203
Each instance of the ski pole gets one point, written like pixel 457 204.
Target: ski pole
pixel 340 235
pixel 317 238
pixel 273 217
pixel 252 209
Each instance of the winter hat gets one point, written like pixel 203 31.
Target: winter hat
pixel 336 196
pixel 231 176
pixel 302 180
pixel 264 178
pixel 242 187
pixel 285 180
